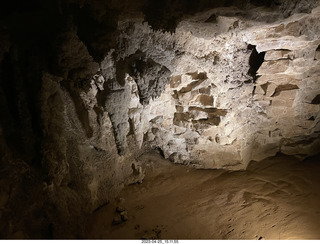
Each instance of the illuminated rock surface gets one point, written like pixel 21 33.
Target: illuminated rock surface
pixel 239 89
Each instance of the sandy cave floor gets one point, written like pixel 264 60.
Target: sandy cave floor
pixel 278 198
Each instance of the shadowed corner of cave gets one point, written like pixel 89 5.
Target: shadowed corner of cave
pixel 157 120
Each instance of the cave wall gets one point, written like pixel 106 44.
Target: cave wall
pixel 240 88
pixel 59 159
pixel 88 86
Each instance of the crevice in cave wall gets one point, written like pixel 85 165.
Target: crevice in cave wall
pixel 316 100
pixel 255 61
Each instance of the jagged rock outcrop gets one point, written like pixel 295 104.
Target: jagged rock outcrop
pixel 239 89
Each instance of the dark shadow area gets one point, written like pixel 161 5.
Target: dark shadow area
pixel 316 100
pixel 255 61
pixel 286 87
pixel 266 3
pixel 98 35
pixel 20 84
pixel 165 15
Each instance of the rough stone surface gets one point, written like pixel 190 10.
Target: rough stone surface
pixel 227 104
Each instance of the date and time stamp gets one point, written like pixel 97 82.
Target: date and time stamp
pixel 160 241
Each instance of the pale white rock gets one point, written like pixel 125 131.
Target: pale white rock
pixel 190 93
pixel 278 54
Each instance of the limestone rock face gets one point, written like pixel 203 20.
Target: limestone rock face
pixel 239 89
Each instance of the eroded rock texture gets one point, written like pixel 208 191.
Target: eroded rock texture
pixel 239 89
pixel 88 86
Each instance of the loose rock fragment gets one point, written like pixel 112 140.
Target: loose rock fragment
pixel 124 215
pixel 117 220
